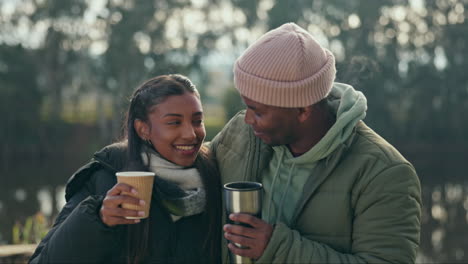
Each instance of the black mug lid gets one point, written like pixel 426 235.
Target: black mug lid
pixel 243 186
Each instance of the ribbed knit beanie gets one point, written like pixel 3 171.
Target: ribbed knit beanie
pixel 286 67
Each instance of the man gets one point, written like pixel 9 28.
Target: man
pixel 334 190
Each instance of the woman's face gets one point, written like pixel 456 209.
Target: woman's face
pixel 176 128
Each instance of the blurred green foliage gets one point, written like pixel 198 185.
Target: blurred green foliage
pixel 67 69
pixel 232 102
pixel 212 127
pixel 32 231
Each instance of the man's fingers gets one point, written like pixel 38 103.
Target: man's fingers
pixel 241 240
pixel 240 230
pixel 255 237
pixel 241 251
pixel 246 219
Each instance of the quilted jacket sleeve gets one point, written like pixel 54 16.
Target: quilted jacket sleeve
pixel 386 226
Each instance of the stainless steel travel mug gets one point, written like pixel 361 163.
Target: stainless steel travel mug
pixel 242 197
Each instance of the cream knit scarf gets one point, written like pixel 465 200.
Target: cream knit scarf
pixel 181 189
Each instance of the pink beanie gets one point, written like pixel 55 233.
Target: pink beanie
pixel 286 67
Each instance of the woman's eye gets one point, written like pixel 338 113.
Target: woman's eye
pixel 173 123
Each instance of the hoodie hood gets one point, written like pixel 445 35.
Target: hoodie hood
pixel 350 107
pixel 286 175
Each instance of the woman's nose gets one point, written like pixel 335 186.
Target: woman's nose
pixel 188 132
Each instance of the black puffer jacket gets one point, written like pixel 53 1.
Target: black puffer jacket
pixel 79 235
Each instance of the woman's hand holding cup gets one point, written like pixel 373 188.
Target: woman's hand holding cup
pixel 112 213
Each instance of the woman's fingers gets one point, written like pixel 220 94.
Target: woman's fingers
pixel 111 211
pixel 119 188
pixel 109 215
pixel 118 200
pixel 113 221
pixel 121 212
pixel 112 214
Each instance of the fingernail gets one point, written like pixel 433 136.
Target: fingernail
pixel 137 220
pixel 134 191
pixel 141 213
pixel 142 202
pixel 231 216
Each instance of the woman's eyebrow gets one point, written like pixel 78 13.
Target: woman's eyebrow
pixel 172 114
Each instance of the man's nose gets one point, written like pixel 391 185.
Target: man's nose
pixel 248 119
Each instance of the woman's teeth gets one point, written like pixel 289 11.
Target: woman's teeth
pixel 185 147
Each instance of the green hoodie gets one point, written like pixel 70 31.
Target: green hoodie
pixel 286 175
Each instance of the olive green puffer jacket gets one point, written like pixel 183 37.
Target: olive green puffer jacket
pixel 362 205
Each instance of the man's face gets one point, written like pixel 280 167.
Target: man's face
pixel 273 125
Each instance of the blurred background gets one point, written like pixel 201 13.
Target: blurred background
pixel 67 68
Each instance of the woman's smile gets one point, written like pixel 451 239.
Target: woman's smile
pixel 188 149
pixel 176 128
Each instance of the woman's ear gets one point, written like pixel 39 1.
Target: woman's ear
pixel 142 129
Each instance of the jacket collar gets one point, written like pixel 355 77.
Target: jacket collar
pixel 259 156
pixel 323 170
pixel 112 157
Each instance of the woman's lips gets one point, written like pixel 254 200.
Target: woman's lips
pixel 187 149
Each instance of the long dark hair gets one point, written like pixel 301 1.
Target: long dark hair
pixel 149 94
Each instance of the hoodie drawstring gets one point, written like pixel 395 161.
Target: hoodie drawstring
pixel 273 185
pixel 285 192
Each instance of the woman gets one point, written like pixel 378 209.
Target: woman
pixel 165 134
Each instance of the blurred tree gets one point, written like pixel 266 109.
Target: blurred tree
pixel 232 102
pixel 20 101
pixel 406 56
pixel 148 38
pixel 58 53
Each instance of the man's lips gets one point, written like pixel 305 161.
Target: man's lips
pixel 258 134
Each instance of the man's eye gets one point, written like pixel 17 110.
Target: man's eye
pixel 198 122
pixel 173 123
